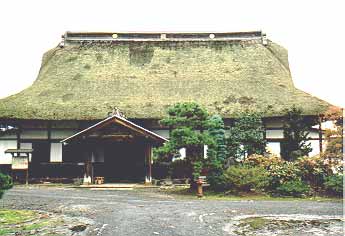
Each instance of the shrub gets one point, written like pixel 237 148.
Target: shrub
pixel 282 173
pixel 295 188
pixel 264 161
pixel 246 178
pixel 334 184
pixel 314 170
pixel 5 183
pixel 217 181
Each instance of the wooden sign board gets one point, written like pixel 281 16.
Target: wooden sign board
pixel 20 163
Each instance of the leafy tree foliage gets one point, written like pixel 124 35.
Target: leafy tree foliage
pixel 246 136
pixel 296 131
pixel 217 152
pixel 5 183
pixel 334 137
pixel 188 122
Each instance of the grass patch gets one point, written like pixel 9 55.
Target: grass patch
pixel 8 217
pixel 36 225
pixel 12 220
pixel 25 222
pixel 255 223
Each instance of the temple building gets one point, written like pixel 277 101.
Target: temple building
pixel 96 103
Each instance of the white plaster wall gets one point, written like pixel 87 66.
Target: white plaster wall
pixel 34 134
pixel 205 151
pixel 62 134
pixel 8 136
pixel 313 134
pixel 4 145
pixel 273 147
pixel 56 152
pixel 274 134
pixel 162 132
pixel 315 146
pixel 182 153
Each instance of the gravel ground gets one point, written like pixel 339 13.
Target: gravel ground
pixel 149 212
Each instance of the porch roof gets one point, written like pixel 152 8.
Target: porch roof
pixel 21 150
pixel 120 121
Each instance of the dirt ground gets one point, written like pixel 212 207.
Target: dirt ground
pixel 151 212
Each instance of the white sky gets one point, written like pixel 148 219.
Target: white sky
pixel 312 31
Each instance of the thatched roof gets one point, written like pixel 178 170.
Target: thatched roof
pixel 89 74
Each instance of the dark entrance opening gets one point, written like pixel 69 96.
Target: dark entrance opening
pixel 123 162
pixel 40 155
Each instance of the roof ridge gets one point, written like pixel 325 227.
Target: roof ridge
pixel 71 37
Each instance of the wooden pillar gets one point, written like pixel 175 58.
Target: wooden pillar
pixel 88 165
pixel 27 174
pixel 148 160
pixel 49 133
pixel 18 136
pixel 320 134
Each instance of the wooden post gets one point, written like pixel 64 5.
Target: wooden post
pixel 27 170
pixel 18 137
pixel 150 163
pixel 320 134
pixel 27 177
pixel 88 171
pixel 148 160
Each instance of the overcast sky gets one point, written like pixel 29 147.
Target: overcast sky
pixel 312 31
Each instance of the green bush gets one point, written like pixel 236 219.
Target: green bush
pixel 314 170
pixel 5 183
pixel 282 173
pixel 334 184
pixel 246 178
pixel 295 188
pixel 217 181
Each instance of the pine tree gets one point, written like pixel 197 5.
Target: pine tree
pixel 246 136
pixel 188 121
pixel 296 131
pixel 217 152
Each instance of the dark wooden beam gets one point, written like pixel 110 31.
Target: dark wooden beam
pixel 18 136
pixel 112 136
pixel 320 134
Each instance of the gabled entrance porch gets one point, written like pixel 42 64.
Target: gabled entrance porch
pixel 116 150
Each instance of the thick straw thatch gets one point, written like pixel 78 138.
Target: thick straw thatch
pixel 86 80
